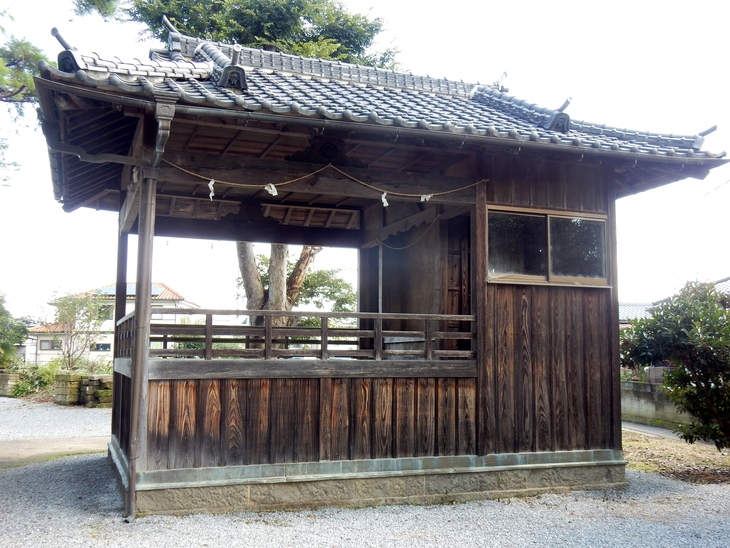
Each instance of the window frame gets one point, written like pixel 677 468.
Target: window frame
pixel 55 345
pixel 549 278
pixel 154 315
pixel 94 347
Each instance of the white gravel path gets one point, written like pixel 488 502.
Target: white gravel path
pixel 74 502
pixel 21 420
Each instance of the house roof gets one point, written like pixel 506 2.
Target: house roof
pixel 270 93
pixel 190 70
pixel 723 285
pixel 49 328
pixel 634 311
pixel 160 292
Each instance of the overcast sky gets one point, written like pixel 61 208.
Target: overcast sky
pixel 644 65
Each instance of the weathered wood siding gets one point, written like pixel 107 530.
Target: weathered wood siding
pixel 548 382
pixel 121 406
pixel 532 181
pixel 238 422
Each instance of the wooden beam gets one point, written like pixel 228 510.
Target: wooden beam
pixel 256 232
pixel 188 369
pixel 404 225
pixel 130 208
pixel 328 182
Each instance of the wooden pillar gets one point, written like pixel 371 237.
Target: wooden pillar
pixel 614 375
pixel 486 418
pixel 164 113
pixel 120 310
pixel 143 308
pixel 120 293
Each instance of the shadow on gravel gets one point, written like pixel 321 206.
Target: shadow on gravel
pixel 76 486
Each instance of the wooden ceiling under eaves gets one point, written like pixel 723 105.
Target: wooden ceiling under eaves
pixel 241 157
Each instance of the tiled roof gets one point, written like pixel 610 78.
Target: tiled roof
pixel 192 71
pixel 160 292
pixel 49 328
pixel 634 311
pixel 723 285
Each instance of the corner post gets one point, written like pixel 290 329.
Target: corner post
pixel 486 419
pixel 165 111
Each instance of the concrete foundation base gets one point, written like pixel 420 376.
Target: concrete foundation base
pixel 375 482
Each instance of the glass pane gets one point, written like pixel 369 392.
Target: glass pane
pixel 517 244
pixel 578 248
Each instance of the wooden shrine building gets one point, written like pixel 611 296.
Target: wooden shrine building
pixel 483 359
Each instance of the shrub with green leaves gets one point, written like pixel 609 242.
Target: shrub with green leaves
pixel 691 331
pixel 34 378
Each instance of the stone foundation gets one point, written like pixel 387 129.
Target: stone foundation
pixel 398 481
pixel 7 383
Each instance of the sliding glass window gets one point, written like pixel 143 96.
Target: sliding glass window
pixel 546 247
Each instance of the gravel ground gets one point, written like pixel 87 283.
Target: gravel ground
pixel 73 502
pixel 21 420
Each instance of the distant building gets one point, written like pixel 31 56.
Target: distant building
pixel 723 285
pixel 639 311
pixel 45 340
pixel 633 311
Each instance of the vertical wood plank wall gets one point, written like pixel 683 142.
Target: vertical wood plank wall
pixel 550 357
pixel 236 422
pixel 550 379
pixel 547 385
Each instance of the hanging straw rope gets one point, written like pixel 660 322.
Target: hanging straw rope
pixel 269 186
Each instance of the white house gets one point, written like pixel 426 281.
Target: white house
pixel 46 340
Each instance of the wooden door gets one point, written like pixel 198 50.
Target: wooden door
pixel 456 273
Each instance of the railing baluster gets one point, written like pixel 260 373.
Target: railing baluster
pixel 268 334
pixel 427 336
pixel 378 340
pixel 323 338
pixel 209 336
pixel 438 345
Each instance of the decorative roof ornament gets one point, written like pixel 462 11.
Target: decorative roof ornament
pixel 190 71
pixel 497 84
pixel 233 76
pixel 69 60
pixel 559 121
pixel 227 73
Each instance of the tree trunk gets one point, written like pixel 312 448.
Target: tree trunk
pixel 252 284
pixel 295 281
pixel 282 292
pixel 277 277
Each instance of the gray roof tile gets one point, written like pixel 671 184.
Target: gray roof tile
pixel 634 311
pixel 313 88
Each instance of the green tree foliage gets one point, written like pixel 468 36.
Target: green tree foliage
pixel 322 289
pixel 12 331
pixel 108 9
pixel 81 318
pixel 691 331
pixel 314 28
pixel 18 65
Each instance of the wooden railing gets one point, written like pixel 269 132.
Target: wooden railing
pixel 196 343
pixel 124 336
pixel 210 334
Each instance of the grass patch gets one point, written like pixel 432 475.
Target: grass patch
pixel 695 463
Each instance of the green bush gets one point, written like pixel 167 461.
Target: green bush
pixel 691 331
pixel 35 377
pixel 93 367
